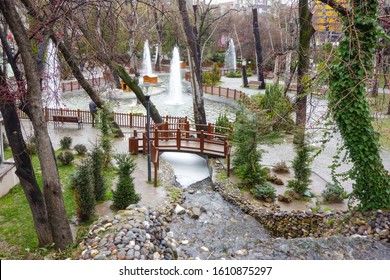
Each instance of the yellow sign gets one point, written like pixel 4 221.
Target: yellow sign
pixel 325 18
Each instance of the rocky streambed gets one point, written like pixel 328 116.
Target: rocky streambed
pixel 209 221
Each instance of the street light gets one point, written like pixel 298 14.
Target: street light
pixel 244 76
pixel 148 136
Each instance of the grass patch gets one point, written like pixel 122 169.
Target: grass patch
pixel 382 125
pixel 380 103
pixel 16 224
pixel 8 153
pixel 174 192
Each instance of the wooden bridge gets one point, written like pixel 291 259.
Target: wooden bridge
pixel 178 137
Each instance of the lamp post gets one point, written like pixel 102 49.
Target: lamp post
pixel 244 76
pixel 148 136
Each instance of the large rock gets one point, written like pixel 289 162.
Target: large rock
pixel 179 210
pixel 194 212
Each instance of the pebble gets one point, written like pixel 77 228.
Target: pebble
pixel 140 233
pixel 179 210
pixel 204 249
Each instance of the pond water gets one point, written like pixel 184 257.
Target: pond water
pixel 126 102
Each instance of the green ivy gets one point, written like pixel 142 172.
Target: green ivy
pixel 350 108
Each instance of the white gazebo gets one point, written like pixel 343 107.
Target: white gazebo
pixel 8 178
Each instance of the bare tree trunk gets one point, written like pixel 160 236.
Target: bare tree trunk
pixel 62 235
pixel 259 52
pixel 377 66
pixel 277 68
pixel 287 71
pixel 102 56
pixel 24 169
pixel 306 30
pixel 195 63
pixel 160 33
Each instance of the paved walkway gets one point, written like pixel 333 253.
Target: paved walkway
pixel 89 136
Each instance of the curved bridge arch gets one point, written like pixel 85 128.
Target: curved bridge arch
pixel 178 137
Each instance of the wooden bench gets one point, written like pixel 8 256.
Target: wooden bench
pixel 70 119
pixel 254 83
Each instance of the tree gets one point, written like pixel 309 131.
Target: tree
pixel 125 194
pixel 259 54
pixel 306 31
pixel 349 105
pixel 62 235
pixel 24 168
pixel 193 37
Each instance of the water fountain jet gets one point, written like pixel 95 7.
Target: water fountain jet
pixel 52 89
pixel 230 57
pixel 147 72
pixel 175 87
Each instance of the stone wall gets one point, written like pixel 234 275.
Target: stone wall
pixel 297 224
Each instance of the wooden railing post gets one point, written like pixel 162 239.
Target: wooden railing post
pixel 144 143
pixel 46 114
pixel 209 131
pixel 201 144
pixel 131 120
pixel 219 91
pixel 235 92
pixel 156 137
pixel 187 129
pixel 178 139
pixel 155 165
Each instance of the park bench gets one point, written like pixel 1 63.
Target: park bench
pixel 70 119
pixel 254 83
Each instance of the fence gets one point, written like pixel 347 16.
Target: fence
pixel 129 120
pixel 223 92
pixel 74 85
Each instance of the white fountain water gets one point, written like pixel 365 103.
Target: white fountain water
pixel 230 56
pixel 146 61
pixel 52 90
pixel 175 87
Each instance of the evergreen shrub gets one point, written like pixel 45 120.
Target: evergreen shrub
pixel 81 185
pixel 66 142
pixel 65 158
pixel 80 149
pixel 124 194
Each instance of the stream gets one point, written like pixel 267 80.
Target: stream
pixel 208 227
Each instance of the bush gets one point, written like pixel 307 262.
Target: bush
pixel 66 142
pixel 65 158
pixel 233 74
pixel 215 74
pixel 334 193
pixel 105 118
pixel 266 193
pixel 125 194
pixel 246 156
pixel 222 124
pixel 81 185
pixel 31 145
pixel 98 182
pixel 281 167
pixel 301 168
pixel 80 149
pixel 206 78
pixel 278 108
